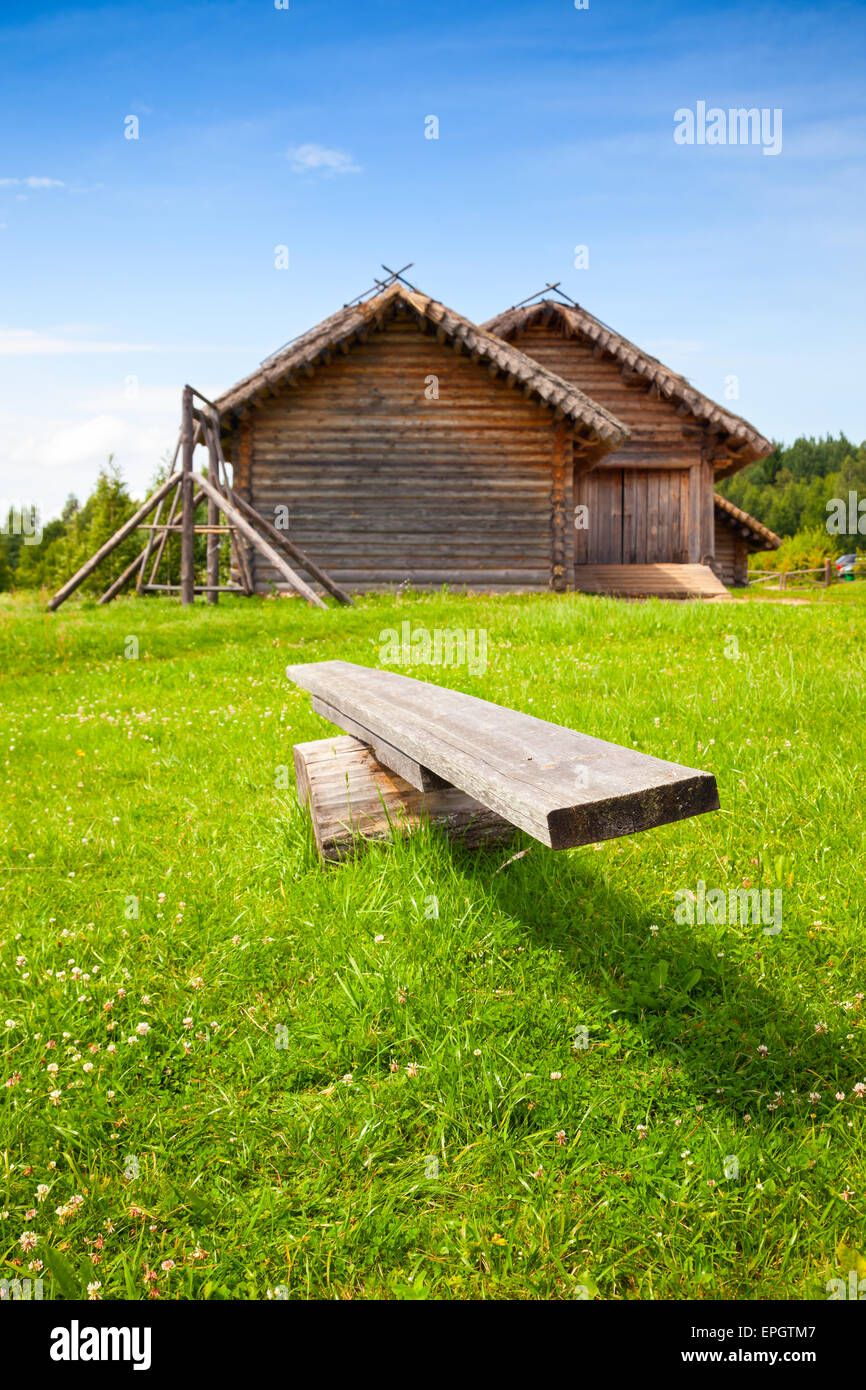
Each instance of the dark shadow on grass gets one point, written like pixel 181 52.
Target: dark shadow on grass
pixel 711 1027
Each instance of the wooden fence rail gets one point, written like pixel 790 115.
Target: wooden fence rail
pixel 825 572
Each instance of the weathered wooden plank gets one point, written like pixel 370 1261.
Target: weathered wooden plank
pixel 563 787
pixel 641 518
pixel 352 798
pixel 585 495
pixel 629 516
pixel 708 511
pixel 644 461
pixel 696 484
pixel 479 578
pixel 390 757
pixel 654 551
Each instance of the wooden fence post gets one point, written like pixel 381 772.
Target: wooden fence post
pixel 828 572
pixel 187 513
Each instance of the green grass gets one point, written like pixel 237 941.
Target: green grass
pixel 154 782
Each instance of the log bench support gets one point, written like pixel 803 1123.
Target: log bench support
pixel 353 799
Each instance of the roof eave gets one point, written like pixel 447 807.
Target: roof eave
pixel 760 537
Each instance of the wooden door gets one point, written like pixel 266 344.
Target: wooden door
pixel 635 516
pixel 599 540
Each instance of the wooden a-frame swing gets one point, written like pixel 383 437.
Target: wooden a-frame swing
pixel 246 528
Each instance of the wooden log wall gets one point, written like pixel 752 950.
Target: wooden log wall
pixel 732 556
pixel 385 485
pixel 652 500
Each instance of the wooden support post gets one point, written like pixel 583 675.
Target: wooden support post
pixel 163 540
pixel 114 589
pixel 126 530
pixel 175 503
pixel 187 515
pixel 259 543
pixel 211 432
pixel 145 554
pixel 828 572
pixel 140 561
pixel 152 537
pixel 213 540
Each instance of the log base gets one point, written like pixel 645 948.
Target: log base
pixel 352 798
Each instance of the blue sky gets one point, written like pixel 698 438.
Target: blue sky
pixel 128 267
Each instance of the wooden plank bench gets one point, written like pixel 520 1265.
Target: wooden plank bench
pixel 562 787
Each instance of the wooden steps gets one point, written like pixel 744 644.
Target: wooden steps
pixel 650 581
pixel 563 787
pixel 352 798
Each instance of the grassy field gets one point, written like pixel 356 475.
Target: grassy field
pixel 234 1073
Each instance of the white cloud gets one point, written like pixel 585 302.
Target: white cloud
pixel 32 182
pixel 30 342
pixel 84 442
pixel 45 460
pixel 308 159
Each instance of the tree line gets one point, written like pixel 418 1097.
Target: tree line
pixel 789 491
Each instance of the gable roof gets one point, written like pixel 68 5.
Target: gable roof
pixel 760 536
pixel 603 431
pixel 738 434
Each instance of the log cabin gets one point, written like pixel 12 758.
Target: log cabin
pixel 655 522
pixel 408 447
pixel 413 448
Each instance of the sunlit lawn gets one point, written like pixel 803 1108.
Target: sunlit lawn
pixel 230 1070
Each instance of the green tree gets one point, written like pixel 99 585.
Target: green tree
pixel 104 512
pixel 789 491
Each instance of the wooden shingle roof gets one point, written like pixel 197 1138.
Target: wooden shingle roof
pixel 601 429
pixel 744 440
pixel 759 535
